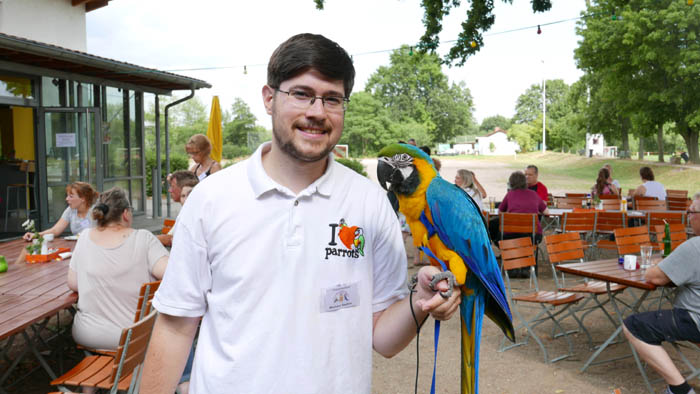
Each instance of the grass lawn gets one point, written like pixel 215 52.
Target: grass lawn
pixel 574 173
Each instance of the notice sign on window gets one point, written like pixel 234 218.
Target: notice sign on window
pixel 65 140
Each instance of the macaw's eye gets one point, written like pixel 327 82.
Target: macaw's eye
pixel 403 160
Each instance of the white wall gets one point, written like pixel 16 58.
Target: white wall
pixel 503 147
pixel 598 147
pixel 54 22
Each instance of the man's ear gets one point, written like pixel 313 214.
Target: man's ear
pixel 268 95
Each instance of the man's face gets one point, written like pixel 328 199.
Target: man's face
pixel 174 190
pixel 305 134
pixel 530 176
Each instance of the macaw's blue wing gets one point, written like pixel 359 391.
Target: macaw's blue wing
pixel 461 227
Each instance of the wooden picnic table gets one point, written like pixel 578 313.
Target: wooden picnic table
pixel 29 295
pixel 609 271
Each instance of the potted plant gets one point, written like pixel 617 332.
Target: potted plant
pixel 37 239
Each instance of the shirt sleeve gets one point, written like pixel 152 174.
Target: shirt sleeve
pixel 682 266
pixel 543 192
pixel 155 250
pixel 66 214
pixel 389 259
pixel 503 207
pixel 187 279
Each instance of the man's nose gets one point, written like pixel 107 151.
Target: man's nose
pixel 316 109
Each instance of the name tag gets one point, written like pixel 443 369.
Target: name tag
pixel 339 297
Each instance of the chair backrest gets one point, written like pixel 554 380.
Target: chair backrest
pixel 609 221
pixel 519 223
pixel 656 218
pixel 579 222
pixel 517 253
pixel 676 193
pixel 569 202
pixel 167 226
pixel 635 199
pixel 564 247
pixel 611 204
pixel 677 203
pixel 677 232
pixel 143 308
pixel 650 205
pixel 628 240
pixel 576 195
pixel 609 197
pixel 131 351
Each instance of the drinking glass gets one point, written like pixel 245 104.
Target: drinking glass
pixel 645 252
pixel 492 203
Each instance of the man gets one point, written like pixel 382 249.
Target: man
pixel 646 331
pixel 295 262
pixel 176 182
pixel 531 174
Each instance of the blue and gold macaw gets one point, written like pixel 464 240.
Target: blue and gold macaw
pixel 445 220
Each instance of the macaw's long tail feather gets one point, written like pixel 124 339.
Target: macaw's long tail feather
pixel 472 313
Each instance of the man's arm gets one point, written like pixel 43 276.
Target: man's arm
pixel 165 239
pixel 656 277
pixel 167 353
pixel 394 327
pixel 640 191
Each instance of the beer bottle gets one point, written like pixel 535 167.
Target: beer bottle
pixel 667 240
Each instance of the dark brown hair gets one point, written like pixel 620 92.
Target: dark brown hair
pixel 110 207
pixel 185 178
pixel 517 180
pixel 85 191
pixel 310 51
pixel 646 173
pixel 602 181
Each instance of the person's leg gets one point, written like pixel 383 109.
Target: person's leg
pixel 657 357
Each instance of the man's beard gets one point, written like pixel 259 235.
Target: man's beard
pixel 289 148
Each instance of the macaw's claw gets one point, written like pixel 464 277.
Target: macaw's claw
pixel 451 281
pixel 412 283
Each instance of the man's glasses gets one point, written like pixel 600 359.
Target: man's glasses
pixel 304 100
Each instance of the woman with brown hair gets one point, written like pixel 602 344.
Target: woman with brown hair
pixel 603 185
pixel 198 148
pixel 80 197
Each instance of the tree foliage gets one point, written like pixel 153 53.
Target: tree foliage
pixel 479 20
pixel 242 121
pixel 491 122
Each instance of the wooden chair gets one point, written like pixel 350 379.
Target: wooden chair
pixel 568 203
pixel 677 232
pixel 605 225
pixel 628 240
pixel 677 203
pixel 568 247
pixel 582 223
pixel 519 253
pixel 609 197
pixel 120 373
pixel 650 205
pixel 657 218
pixel 167 226
pixel 611 204
pixel 575 195
pixel 635 199
pixel 516 225
pixel 676 193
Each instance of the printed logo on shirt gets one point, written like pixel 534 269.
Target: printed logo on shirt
pixel 352 237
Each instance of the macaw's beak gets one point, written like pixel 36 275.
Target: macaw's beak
pixel 386 173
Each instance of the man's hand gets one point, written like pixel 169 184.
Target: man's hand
pixel 431 301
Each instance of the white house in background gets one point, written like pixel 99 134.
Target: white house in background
pixel 496 143
pixel 595 146
pixel 465 148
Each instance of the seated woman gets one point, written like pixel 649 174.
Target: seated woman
pixel 603 185
pixel 198 148
pixel 80 197
pixel 109 264
pixel 649 187
pixel 466 180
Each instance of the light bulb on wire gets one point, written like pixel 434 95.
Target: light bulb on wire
pixel 539 31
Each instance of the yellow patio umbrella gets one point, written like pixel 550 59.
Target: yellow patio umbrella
pixel 214 130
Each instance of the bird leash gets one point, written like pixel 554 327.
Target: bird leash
pixel 444 275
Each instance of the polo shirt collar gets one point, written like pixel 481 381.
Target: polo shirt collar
pixel 262 183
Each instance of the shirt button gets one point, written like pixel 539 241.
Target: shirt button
pixel 296 202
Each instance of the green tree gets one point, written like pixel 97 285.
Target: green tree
pixel 479 19
pixel 241 122
pixel 414 87
pixel 491 122
pixel 524 135
pixel 528 110
pixel 368 126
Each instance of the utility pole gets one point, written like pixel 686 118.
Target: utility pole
pixel 544 111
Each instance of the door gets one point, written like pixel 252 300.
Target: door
pixel 71 154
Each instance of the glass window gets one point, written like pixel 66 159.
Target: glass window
pixel 136 197
pixel 16 87
pixel 88 93
pixel 51 91
pixel 114 135
pixel 135 131
pixel 57 202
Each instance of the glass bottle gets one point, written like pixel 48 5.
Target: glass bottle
pixel 667 240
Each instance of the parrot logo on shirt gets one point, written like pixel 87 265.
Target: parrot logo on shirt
pixel 352 237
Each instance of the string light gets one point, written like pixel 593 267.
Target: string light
pixel 691 2
pixel 473 44
pixel 245 70
pixel 539 31
pixel 410 51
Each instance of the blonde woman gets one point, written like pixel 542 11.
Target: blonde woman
pixel 198 147
pixel 466 180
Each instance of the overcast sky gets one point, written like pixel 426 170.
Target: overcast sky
pixel 185 34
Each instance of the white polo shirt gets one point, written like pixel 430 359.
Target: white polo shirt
pixel 287 283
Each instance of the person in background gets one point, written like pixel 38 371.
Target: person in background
pixel 178 181
pixel 412 141
pixel 696 196
pixel 108 266
pixel 531 175
pixel 602 184
pixel 612 181
pixel 466 180
pixel 436 161
pixel 80 197
pixel 198 147
pixel 647 330
pixel 649 187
